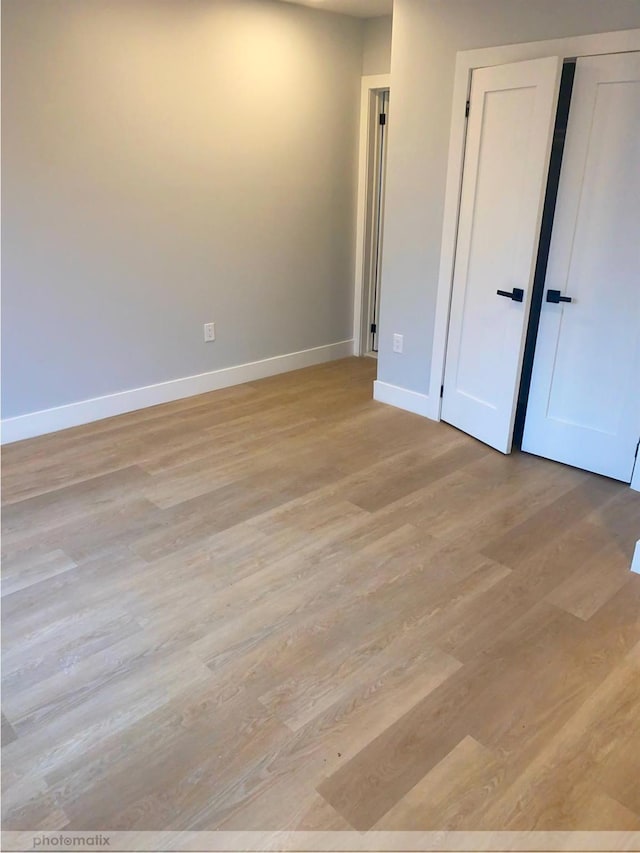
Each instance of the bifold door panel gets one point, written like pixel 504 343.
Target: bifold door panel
pixel 509 135
pixel 584 400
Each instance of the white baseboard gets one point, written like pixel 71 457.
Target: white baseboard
pixel 86 411
pixel 635 562
pixel 402 398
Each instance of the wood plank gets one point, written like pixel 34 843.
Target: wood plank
pixel 568 782
pixel 460 783
pixel 369 785
pixel 29 568
pixel 591 585
pixel 8 733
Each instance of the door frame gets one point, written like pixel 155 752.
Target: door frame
pixel 466 61
pixel 370 86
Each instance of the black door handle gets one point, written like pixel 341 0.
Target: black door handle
pixel 517 294
pixel 554 296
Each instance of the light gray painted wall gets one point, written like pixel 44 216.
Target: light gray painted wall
pixel 376 50
pixel 166 164
pixel 426 36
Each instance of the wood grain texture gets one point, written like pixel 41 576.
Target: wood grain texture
pixel 284 606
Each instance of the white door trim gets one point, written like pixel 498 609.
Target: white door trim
pixel 466 61
pixel 370 84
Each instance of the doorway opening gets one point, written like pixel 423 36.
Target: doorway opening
pixel 374 144
pixel 375 206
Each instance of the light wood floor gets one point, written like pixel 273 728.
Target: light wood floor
pixel 283 605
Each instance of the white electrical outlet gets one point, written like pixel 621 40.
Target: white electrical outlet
pixel 209 332
pixel 398 342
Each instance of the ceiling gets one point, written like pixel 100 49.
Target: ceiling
pixel 357 8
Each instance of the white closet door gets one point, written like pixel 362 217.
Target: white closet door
pixel 509 138
pixel 584 403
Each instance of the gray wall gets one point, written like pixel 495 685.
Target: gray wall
pixel 166 164
pixel 426 36
pixel 376 51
